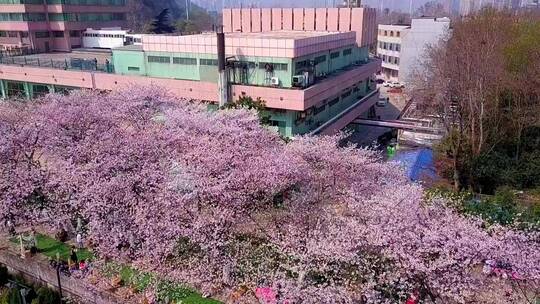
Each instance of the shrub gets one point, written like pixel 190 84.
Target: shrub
pixel 4 275
pixel 47 296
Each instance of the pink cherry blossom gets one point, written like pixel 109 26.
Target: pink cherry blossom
pixel 216 201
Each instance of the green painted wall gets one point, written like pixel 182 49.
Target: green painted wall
pixel 331 65
pixel 127 62
pixel 249 70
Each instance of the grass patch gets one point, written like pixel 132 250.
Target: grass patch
pixel 168 291
pixel 49 247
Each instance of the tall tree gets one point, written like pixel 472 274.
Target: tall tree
pixel 432 9
pixel 472 84
pixel 161 23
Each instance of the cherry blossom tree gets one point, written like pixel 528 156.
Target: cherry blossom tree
pixel 214 200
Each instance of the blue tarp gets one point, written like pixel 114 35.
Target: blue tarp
pixel 418 163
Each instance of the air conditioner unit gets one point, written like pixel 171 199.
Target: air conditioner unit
pixel 275 81
pixel 299 81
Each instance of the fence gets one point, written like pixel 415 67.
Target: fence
pixel 66 64
pixel 18 51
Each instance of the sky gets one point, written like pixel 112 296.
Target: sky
pixel 392 4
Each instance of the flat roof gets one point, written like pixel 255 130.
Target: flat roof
pixel 296 35
pixel 87 54
pixel 131 47
pixel 284 44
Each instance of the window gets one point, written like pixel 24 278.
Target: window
pixel 42 35
pixel 209 62
pixel 347 52
pixel 184 61
pixel 58 34
pixel 385 46
pixel 398 47
pixel 317 110
pixel 320 59
pixel 275 66
pixel 333 102
pixel 74 33
pixel 302 64
pixel 391 46
pixel 24 34
pixel 396 60
pixel 3 34
pixel 159 59
pixel 346 94
pixel 247 64
pixel 12 34
pixel 334 55
pixel 281 67
pixel 384 58
pixel 380 44
pixel 391 33
pixel 386 33
pixel 398 34
pixel 134 69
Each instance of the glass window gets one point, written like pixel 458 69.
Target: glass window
pixel 184 61
pixel 58 34
pixel 333 102
pixel 209 62
pixel 159 59
pixel 320 59
pixel 136 69
pixel 334 55
pixel 275 66
pixel 347 52
pixel 42 35
pixel 391 33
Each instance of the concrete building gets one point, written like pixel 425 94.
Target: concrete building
pixel 389 48
pixel 402 48
pixel 55 25
pixel 468 7
pixel 310 80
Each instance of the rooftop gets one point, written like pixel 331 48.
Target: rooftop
pixel 285 44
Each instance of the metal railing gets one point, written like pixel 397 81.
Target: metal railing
pixel 80 64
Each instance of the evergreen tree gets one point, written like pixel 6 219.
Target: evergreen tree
pixel 161 24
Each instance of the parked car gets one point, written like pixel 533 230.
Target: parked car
pixel 379 81
pixel 387 84
pixel 382 102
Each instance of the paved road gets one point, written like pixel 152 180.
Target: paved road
pixel 366 135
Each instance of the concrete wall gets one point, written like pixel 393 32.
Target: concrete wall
pixel 288 99
pixel 359 20
pixel 415 43
pixel 124 59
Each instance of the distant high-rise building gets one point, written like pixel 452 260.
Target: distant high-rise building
pixel 55 25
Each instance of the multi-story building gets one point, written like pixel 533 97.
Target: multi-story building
pixel 402 48
pixel 389 45
pixel 55 25
pixel 313 74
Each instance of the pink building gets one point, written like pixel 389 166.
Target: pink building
pixel 311 67
pixel 55 25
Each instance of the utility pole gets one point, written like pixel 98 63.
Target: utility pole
pixel 223 81
pixel 187 9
